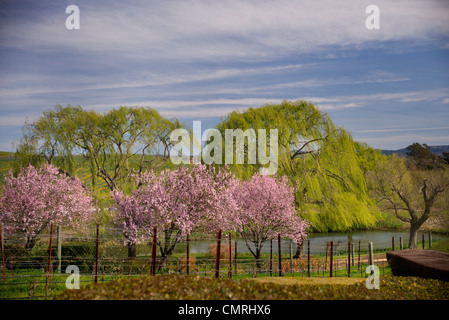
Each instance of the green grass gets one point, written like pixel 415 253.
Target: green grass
pixel 32 283
pixel 442 245
pixel 205 267
pixel 388 221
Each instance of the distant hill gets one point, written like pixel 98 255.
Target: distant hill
pixel 438 150
pixel 4 154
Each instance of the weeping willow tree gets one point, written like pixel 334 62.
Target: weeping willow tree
pixel 321 160
pixel 113 144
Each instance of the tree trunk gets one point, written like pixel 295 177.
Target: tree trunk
pixel 162 262
pixel 298 251
pixel 168 247
pixel 31 242
pixel 258 261
pixel 256 253
pixel 412 243
pixel 132 250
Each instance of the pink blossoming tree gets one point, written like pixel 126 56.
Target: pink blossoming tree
pixel 37 197
pixel 265 208
pixel 178 202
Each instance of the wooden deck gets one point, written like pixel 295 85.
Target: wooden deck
pixel 419 263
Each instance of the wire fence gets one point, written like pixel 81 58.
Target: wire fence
pixel 99 254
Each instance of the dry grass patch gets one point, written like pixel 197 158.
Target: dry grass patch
pixel 309 281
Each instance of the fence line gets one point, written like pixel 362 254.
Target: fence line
pixel 101 255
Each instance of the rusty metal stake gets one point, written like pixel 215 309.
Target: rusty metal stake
pixel 97 254
pixel 331 263
pixel 358 263
pixel 308 257
pixel 279 255
pixel 271 257
pixel 217 258
pixel 423 241
pixel 3 252
pixel 49 259
pixel 187 258
pixel 327 250
pixel 230 257
pixel 153 252
pixel 235 258
pixel 349 259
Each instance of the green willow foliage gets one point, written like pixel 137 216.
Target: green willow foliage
pixel 321 160
pixel 113 145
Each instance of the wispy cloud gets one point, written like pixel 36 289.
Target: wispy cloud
pixel 404 129
pixel 402 141
pixel 230 30
pixel 38 84
pixel 402 97
pixel 203 59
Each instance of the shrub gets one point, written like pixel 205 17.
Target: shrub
pixel 182 264
pixel 301 264
pixel 183 287
pixel 77 249
pixel 224 251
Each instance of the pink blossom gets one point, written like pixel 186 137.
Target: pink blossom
pixel 178 202
pixel 265 208
pixel 35 198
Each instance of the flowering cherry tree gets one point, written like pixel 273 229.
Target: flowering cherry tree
pixel 178 202
pixel 38 197
pixel 265 208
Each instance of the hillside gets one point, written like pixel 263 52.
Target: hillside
pixel 437 150
pixel 81 168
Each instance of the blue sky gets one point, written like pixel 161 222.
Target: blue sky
pixel 199 60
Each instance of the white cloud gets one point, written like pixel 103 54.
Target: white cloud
pixel 197 58
pixel 403 97
pixel 202 108
pixel 228 30
pixel 38 84
pixel 18 120
pixel 404 129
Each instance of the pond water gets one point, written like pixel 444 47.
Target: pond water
pixel 380 239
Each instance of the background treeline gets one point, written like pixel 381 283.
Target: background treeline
pixel 334 177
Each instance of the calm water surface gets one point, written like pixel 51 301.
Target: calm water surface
pixel 380 239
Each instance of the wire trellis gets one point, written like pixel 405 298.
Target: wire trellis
pixel 100 254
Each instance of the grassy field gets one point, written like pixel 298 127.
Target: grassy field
pixel 265 287
pixel 32 283
pixel 29 283
pixel 25 283
pixel 6 164
pixel 198 287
